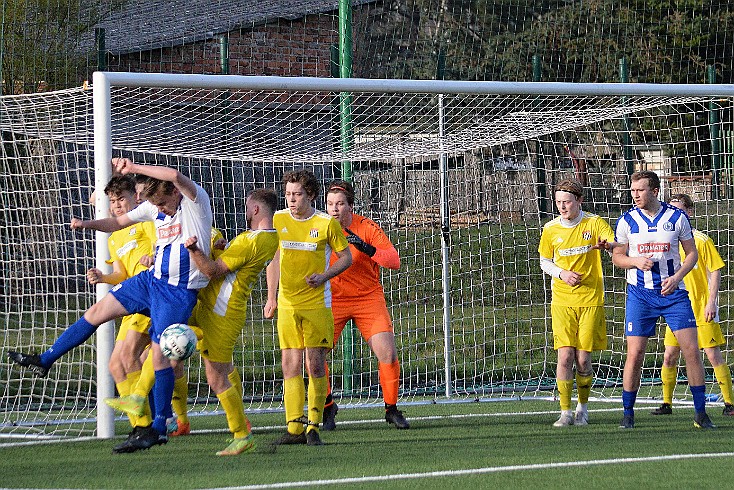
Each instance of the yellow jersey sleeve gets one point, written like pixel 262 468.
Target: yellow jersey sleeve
pixel 697 281
pixel 216 236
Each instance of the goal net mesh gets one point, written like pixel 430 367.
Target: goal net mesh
pixel 498 157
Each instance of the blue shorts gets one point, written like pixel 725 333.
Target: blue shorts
pixel 164 304
pixel 645 306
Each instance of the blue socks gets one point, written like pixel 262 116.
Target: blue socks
pixel 76 334
pixel 699 397
pixel 162 394
pixel 628 402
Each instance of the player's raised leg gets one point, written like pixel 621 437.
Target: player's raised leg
pixel 108 308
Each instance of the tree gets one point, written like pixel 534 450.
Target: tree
pixel 39 43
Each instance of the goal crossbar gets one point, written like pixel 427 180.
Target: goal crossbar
pixel 242 82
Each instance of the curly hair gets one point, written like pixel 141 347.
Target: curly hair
pixel 307 180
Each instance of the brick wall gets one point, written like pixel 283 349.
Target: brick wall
pixel 298 47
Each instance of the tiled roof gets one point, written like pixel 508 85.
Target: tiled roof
pixel 151 24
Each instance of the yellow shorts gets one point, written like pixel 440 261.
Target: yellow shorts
pixel 135 322
pixel 709 335
pixel 370 316
pixel 581 327
pixel 298 329
pixel 220 333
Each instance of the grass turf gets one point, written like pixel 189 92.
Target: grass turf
pixel 491 438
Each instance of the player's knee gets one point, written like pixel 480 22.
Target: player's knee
pixel 218 384
pixel 585 372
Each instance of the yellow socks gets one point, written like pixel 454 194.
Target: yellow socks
pixel 147 418
pixel 180 399
pixel 123 388
pixel 235 412
pixel 565 387
pixel 294 397
pixel 723 377
pixel 583 387
pixel 147 378
pixel 317 389
pixel 236 381
pixel 668 376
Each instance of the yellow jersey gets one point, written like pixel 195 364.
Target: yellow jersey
pixel 570 249
pixel 305 248
pixel 697 280
pixel 216 236
pixel 130 244
pixel 245 256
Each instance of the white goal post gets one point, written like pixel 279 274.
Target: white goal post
pixel 459 174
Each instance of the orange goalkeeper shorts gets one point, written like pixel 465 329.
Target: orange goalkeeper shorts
pixel 370 316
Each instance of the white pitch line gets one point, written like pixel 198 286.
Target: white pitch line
pixel 479 471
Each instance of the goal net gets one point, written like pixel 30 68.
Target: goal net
pixel 459 174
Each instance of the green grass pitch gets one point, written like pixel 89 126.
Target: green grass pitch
pixel 508 444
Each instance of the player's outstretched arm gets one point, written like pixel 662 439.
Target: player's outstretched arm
pixel 186 186
pixel 603 244
pixel 107 225
pixel 118 274
pixel 213 269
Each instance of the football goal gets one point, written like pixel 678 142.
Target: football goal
pixel 459 174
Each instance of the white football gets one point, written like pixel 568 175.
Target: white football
pixel 178 342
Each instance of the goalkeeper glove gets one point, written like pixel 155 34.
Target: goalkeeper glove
pixel 360 244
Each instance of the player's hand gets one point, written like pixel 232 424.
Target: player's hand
pixel 220 244
pixel 123 166
pixel 146 260
pixel 359 244
pixel 269 309
pixel 669 285
pixel 709 311
pixel 94 276
pixel 602 245
pixel 315 280
pixel 571 278
pixel 191 242
pixel 643 262
pixel 76 224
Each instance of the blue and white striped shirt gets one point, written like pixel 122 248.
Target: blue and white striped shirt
pixel 172 261
pixel 656 238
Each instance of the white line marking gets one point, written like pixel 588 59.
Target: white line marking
pixel 479 471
